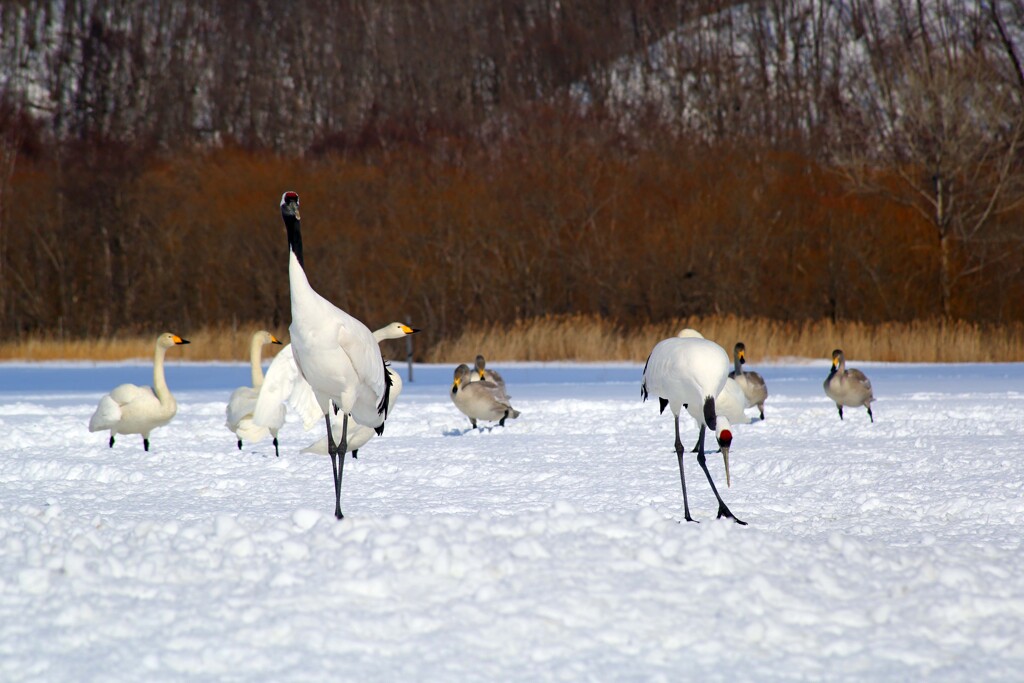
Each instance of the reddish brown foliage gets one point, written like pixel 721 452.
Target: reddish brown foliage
pixel 552 223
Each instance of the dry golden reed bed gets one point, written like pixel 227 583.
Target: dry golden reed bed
pixel 205 344
pixel 587 338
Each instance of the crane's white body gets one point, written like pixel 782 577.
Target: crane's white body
pixel 336 354
pixel 686 371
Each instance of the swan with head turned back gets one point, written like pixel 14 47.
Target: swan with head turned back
pixel 242 402
pixel 334 352
pixel 688 371
pixel 131 409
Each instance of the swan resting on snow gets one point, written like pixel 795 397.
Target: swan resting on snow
pixel 131 409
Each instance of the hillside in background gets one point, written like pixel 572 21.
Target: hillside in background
pixel 489 162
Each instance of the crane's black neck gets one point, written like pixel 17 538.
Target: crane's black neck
pixel 710 419
pixel 294 228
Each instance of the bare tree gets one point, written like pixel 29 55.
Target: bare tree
pixel 933 106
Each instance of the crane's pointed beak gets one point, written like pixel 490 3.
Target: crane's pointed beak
pixel 724 442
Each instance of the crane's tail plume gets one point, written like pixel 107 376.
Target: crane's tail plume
pixel 643 385
pixel 382 407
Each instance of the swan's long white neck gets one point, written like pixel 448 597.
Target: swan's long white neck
pixel 159 381
pixel 255 360
pixel 738 365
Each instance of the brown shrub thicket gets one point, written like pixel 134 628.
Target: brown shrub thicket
pixel 481 163
pixel 556 224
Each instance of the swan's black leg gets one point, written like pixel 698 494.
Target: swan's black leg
pixel 145 444
pixel 111 441
pixel 239 444
pixel 276 452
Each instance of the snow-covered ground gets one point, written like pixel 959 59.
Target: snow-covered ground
pixel 551 549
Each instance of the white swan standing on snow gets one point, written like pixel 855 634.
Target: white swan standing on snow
pixel 284 384
pixel 243 399
pixel 130 409
pixel 688 371
pixel 335 353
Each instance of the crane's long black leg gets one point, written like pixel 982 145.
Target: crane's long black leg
pixel 682 475
pixel 723 509
pixel 342 448
pixel 332 450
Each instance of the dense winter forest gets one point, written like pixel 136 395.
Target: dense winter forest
pixel 491 161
